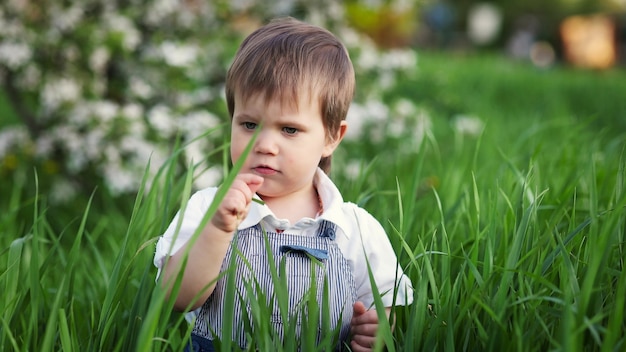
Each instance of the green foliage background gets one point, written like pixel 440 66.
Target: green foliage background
pixel 513 238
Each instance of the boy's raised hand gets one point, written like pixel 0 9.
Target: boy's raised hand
pixel 363 326
pixel 235 205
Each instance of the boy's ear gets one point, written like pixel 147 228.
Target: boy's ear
pixel 331 144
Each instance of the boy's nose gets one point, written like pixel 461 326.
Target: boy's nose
pixel 265 143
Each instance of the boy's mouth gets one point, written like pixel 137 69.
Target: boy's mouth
pixel 264 170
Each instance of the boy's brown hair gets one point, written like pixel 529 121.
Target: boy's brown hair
pixel 288 58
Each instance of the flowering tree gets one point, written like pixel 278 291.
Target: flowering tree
pixel 101 87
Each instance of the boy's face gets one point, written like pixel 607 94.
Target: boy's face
pixel 289 146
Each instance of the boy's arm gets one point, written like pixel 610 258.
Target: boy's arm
pixel 205 257
pixel 203 266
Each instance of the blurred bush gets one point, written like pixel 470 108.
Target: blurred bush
pixel 389 23
pixel 549 14
pixel 98 88
pixel 523 26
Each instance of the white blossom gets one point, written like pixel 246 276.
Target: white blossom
pixel 353 169
pixel 160 117
pixel 196 97
pixel 468 125
pixel 137 128
pixel 66 19
pixel 132 111
pixel 355 121
pixel 77 162
pixel 99 58
pixel 95 113
pixel 161 9
pixel 198 122
pixel 80 114
pixel 404 107
pixel 112 155
pixel 484 22
pixel 140 150
pixel 377 111
pixel 120 180
pixel 283 7
pixel 374 112
pixel 158 158
pixel 15 55
pixel 99 86
pixel 94 140
pixel 123 25
pixel 386 79
pixel 11 28
pixel 179 55
pixel 368 57
pixel 140 88
pixel 396 127
pixel 350 37
pixel 423 127
pixel 11 136
pixel 44 146
pixel 62 191
pixel 58 91
pixel 398 59
pixel 30 79
pixel 73 143
pixel 105 110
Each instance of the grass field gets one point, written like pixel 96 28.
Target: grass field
pixel 513 238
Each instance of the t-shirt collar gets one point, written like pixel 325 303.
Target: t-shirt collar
pixel 331 200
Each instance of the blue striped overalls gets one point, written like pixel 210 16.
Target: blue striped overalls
pixel 304 259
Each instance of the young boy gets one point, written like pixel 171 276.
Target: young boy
pixel 294 82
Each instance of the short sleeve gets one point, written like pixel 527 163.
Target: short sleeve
pixel 172 240
pixel 375 248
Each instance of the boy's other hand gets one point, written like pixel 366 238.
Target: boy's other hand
pixel 235 205
pixel 363 326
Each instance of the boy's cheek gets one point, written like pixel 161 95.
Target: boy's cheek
pixel 234 153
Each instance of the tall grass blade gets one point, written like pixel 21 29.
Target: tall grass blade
pixel 384 337
pixel 64 332
pixel 12 277
pixel 51 325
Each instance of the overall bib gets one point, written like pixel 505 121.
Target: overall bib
pixel 303 259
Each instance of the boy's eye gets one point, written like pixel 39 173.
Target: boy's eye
pixel 249 125
pixel 290 130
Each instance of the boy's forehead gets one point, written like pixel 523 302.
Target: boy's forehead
pixel 287 98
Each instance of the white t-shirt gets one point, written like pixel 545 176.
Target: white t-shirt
pixel 358 235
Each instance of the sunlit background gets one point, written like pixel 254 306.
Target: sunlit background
pixel 488 138
pixel 93 90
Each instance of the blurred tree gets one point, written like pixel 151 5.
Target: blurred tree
pixel 549 14
pixel 100 87
pixel 389 23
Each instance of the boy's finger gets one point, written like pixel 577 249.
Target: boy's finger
pixel 362 343
pixel 253 181
pixel 368 318
pixel 359 308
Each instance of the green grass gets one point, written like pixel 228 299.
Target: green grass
pixel 7 115
pixel 514 239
